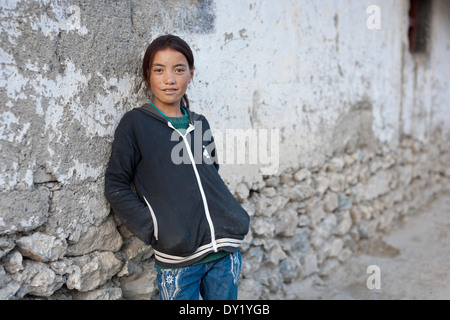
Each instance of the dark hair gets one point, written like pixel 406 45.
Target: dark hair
pixel 161 43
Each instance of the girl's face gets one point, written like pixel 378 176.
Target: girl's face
pixel 169 78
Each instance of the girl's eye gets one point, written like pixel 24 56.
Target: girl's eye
pixel 179 70
pixel 157 70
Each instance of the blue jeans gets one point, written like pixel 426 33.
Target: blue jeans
pixel 215 280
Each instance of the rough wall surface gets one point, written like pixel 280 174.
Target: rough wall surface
pixel 360 125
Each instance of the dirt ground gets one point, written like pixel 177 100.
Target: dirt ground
pixel 413 260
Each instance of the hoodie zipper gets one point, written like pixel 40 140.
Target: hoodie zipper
pixel 199 182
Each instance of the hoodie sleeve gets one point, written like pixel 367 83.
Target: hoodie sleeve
pixel 126 205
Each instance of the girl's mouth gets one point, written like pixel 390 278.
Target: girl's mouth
pixel 169 91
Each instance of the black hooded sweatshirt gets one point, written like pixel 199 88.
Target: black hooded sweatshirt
pixel 180 206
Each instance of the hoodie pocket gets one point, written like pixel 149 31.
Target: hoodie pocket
pixel 155 222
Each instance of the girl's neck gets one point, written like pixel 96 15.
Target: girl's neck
pixel 171 111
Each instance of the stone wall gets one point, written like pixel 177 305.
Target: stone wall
pixel 307 221
pixel 363 133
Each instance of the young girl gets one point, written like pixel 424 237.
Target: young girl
pixel 183 209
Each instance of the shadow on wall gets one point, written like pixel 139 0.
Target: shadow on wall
pixel 353 130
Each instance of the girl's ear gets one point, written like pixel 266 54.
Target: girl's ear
pixel 192 73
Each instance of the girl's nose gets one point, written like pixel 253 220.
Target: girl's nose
pixel 169 78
